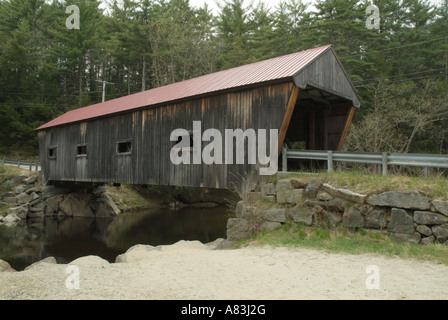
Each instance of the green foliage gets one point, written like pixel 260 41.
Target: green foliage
pixel 47 69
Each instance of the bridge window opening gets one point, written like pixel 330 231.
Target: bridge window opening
pixel 124 147
pixel 52 152
pixel 81 150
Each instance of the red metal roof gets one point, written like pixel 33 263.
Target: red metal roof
pixel 268 70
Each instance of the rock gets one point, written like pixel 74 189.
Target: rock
pixel 76 205
pixel 424 230
pixel 270 199
pixel 53 204
pixel 300 214
pixel 98 191
pixel 324 196
pixel 40 206
pixel 406 237
pixel 353 217
pixel 252 197
pixel 36 214
pixel 427 240
pixel 220 244
pixel 10 200
pixel 269 189
pixel 376 218
pixel 332 205
pixel 297 183
pixel 237 229
pixel 271 214
pixel 30 180
pixel 400 199
pixel 135 253
pixel 20 211
pixel 19 189
pixel 440 232
pixel 345 194
pixel 283 184
pixel 290 196
pixel 312 189
pixel 441 206
pixel 10 219
pixel 269 226
pixel 428 217
pixel 106 207
pixel 5 266
pixel 23 198
pixel 240 209
pixel 50 260
pixel 400 222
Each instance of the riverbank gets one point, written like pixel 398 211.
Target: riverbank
pixel 191 270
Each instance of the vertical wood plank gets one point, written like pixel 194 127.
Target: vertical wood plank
pixel 347 126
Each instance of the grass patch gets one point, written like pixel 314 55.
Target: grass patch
pixel 434 186
pixel 340 240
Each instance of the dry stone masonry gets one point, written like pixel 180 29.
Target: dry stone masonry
pixel 28 200
pixel 408 216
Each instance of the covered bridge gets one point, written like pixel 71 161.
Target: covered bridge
pixel 307 96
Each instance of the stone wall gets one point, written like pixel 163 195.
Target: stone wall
pixel 406 215
pixel 28 199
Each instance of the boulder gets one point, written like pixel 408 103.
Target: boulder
pixel 414 237
pixel 269 189
pixel 269 226
pixel 324 196
pixel 53 204
pixel 76 205
pixel 5 266
pixel 441 206
pixel 252 197
pixel 19 189
pixel 240 209
pixel 427 240
pixel 376 218
pixel 354 217
pixel 400 222
pixel 424 230
pixel 289 196
pixel 271 214
pixel 440 232
pixel 344 194
pixel 20 211
pixel 30 180
pixel 400 199
pixel 50 260
pixel 237 229
pixel 428 217
pixel 335 204
pixel 300 214
pixel 283 184
pixel 312 189
pixel 106 207
pixel 23 198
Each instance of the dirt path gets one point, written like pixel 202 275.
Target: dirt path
pixel 191 270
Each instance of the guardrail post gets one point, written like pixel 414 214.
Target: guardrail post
pixel 329 161
pixel 384 163
pixel 425 172
pixel 285 160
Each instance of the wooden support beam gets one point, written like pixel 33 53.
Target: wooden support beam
pixel 347 126
pixel 287 117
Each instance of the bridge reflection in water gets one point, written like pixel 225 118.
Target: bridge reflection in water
pixel 70 238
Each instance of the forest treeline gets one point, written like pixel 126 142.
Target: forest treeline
pixel 400 70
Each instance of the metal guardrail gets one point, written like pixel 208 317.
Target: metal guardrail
pixel 383 159
pixel 31 166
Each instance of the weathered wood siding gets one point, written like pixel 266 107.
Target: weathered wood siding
pixel 149 131
pixel 327 73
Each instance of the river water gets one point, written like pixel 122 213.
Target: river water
pixel 67 239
